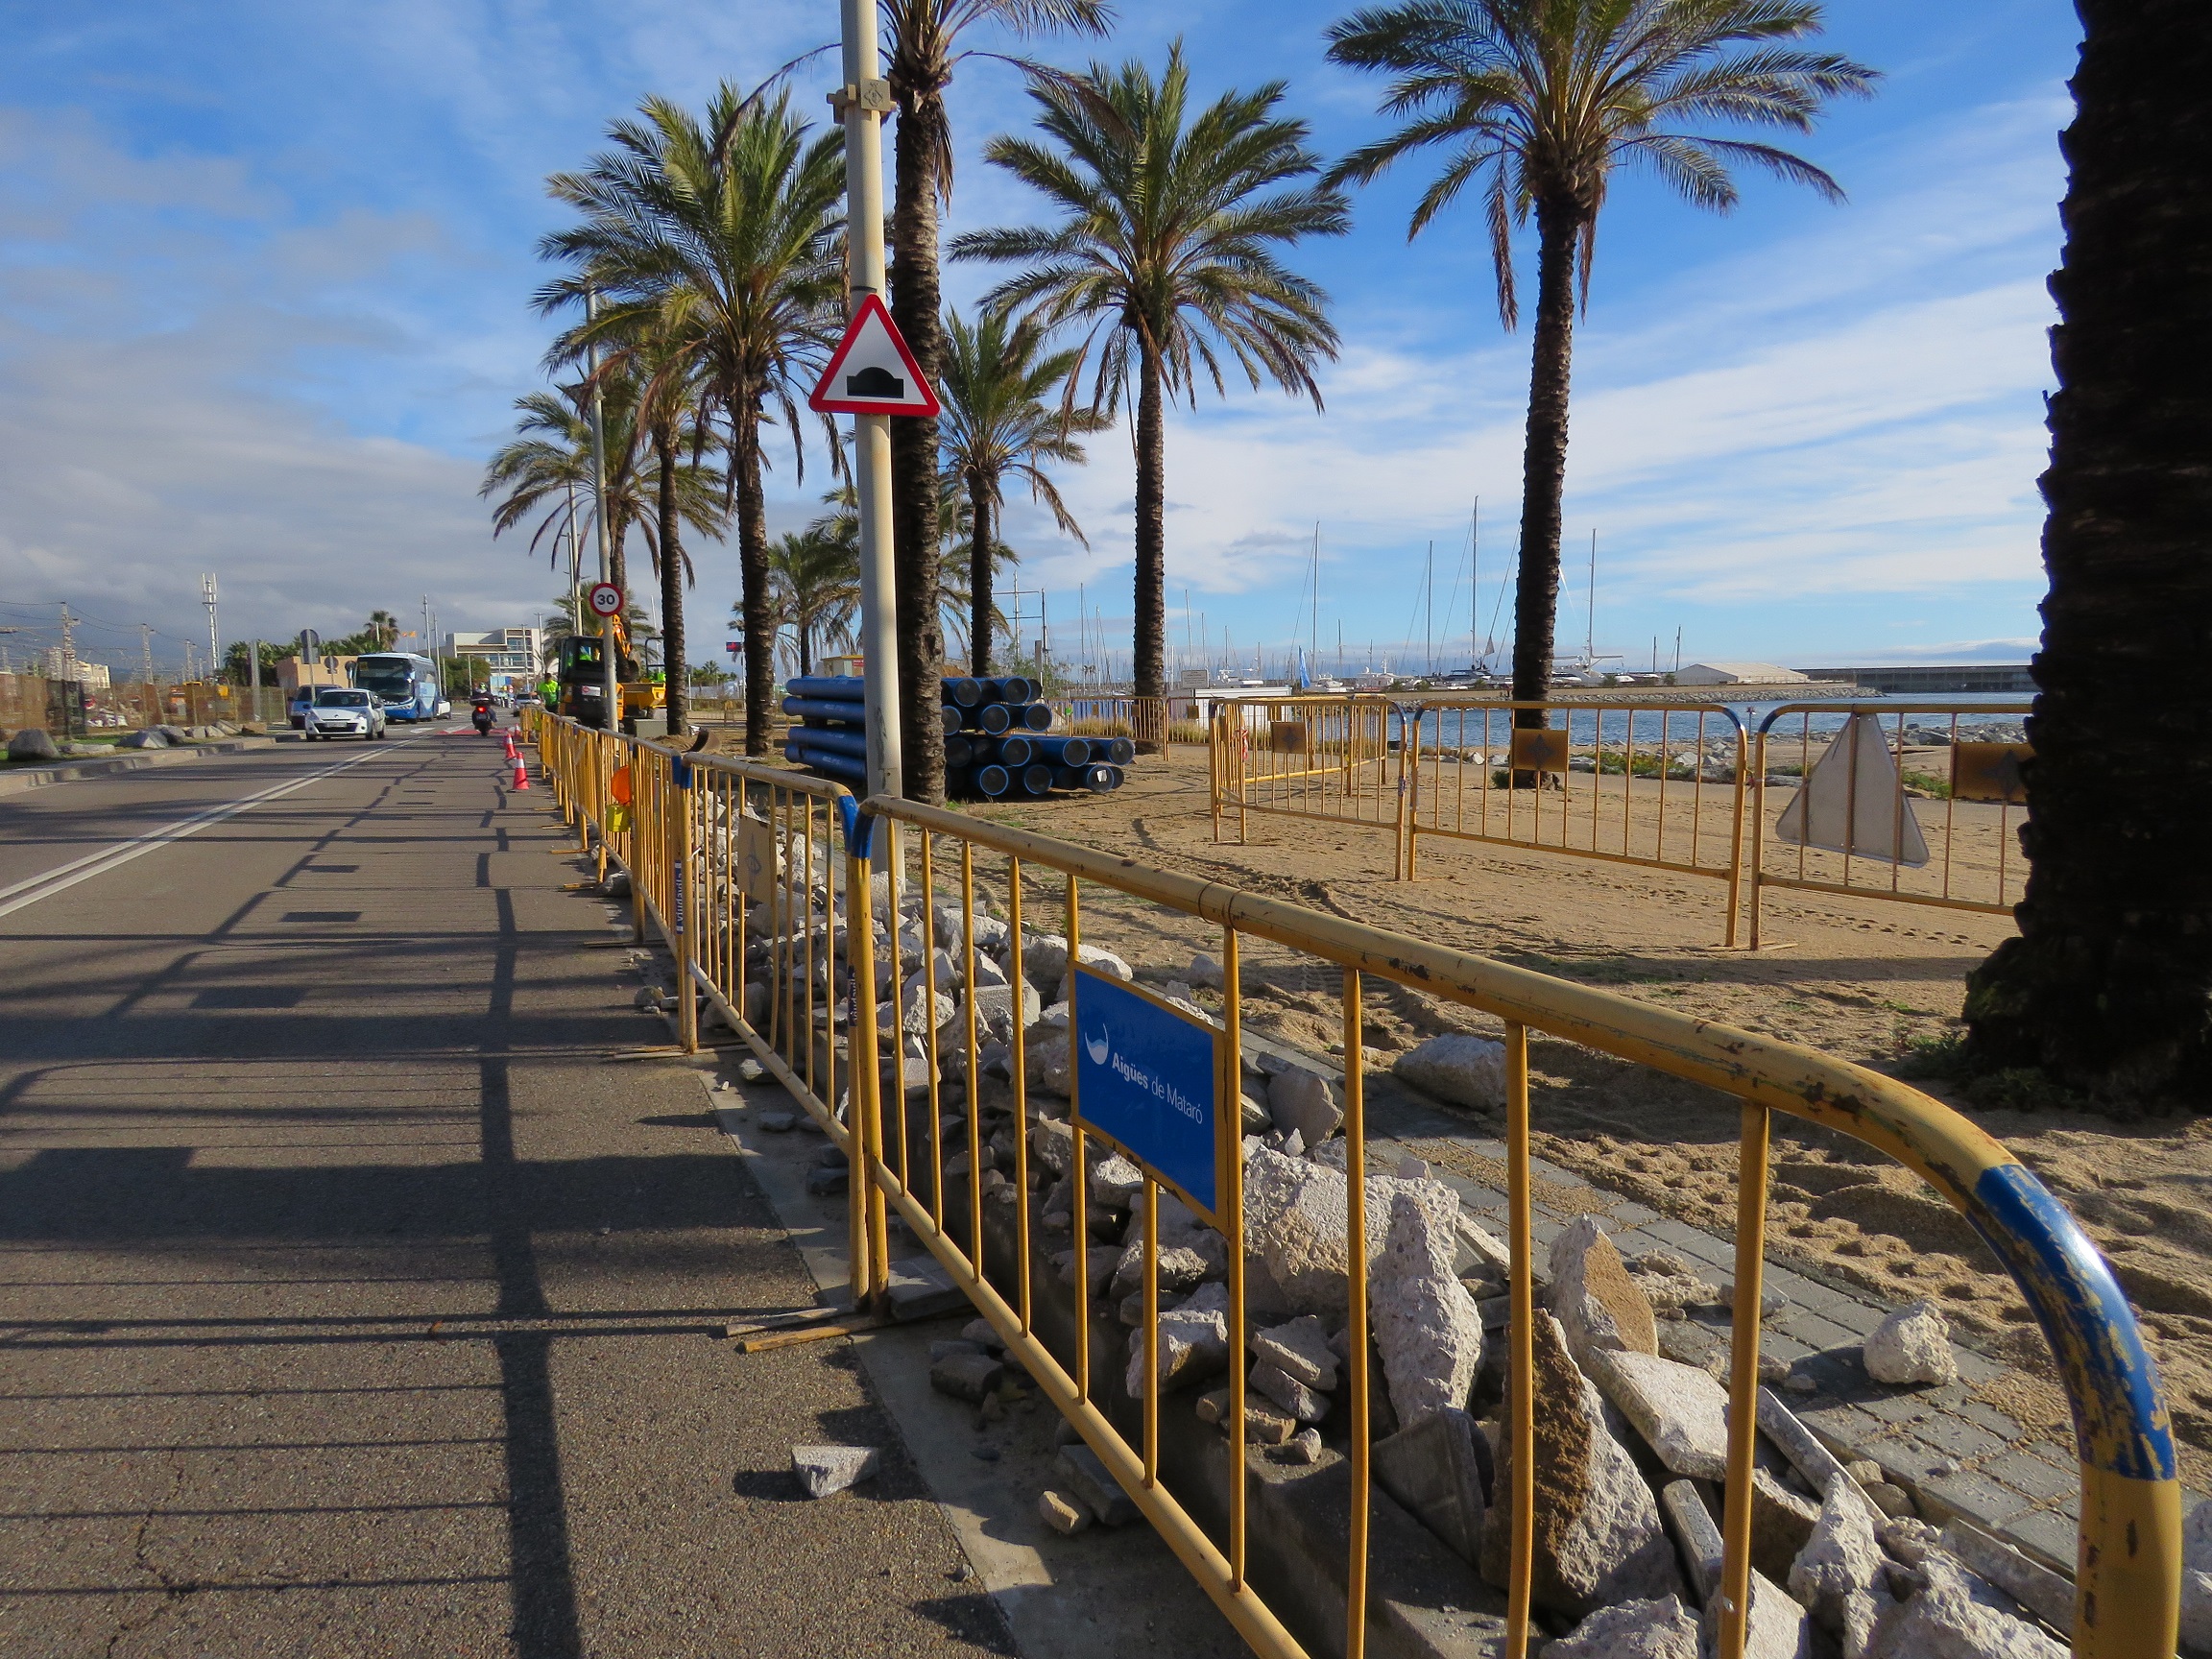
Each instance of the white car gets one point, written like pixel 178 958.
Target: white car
pixel 342 712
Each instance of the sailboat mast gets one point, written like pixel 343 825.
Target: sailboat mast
pixel 1590 633
pixel 1429 613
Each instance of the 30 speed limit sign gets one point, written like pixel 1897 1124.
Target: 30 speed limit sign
pixel 604 599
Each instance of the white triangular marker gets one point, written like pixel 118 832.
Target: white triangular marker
pixel 872 373
pixel 1860 815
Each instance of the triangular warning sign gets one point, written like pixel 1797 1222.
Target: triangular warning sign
pixel 1850 801
pixel 872 373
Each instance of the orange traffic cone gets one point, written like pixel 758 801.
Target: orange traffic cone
pixel 510 736
pixel 522 774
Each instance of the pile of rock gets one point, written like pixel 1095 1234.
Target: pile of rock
pixel 1631 1414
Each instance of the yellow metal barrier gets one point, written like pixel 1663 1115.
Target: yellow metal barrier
pixel 1892 799
pixel 1651 782
pixel 2129 1576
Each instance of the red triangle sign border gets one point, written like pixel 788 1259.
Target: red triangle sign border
pixel 824 401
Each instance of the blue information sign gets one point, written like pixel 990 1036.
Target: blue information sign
pixel 1146 1074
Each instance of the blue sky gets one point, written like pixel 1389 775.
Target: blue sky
pixel 264 273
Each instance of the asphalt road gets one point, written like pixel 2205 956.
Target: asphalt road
pixel 350 1302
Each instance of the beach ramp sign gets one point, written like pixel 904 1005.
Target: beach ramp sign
pixel 1849 803
pixel 1148 1079
pixel 871 372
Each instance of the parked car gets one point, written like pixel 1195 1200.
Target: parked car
pixel 297 705
pixel 343 711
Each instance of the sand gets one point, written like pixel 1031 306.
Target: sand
pixel 1858 979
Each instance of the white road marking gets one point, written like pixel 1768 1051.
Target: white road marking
pixel 60 880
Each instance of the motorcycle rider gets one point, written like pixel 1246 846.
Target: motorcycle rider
pixel 481 714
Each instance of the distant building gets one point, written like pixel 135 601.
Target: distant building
pixel 93 675
pixel 291 672
pixel 1926 679
pixel 1737 674
pixel 502 658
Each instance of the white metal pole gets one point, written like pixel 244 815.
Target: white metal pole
pixel 609 705
pixel 863 100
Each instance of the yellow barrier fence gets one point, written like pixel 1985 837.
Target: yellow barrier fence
pixel 1657 783
pixel 1910 801
pixel 993 1136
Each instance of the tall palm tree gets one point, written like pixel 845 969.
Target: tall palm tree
pixel 923 43
pixel 723 238
pixel 548 465
pixel 1541 100
pixel 1000 387
pixel 1167 247
pixel 816 582
pixel 680 485
pixel 2108 987
pixel 383 627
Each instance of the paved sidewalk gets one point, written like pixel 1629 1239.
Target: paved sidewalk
pixel 354 1306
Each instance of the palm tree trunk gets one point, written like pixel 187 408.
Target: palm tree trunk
pixel 1544 462
pixel 979 577
pixel 752 574
pixel 671 586
pixel 805 649
pixel 2108 987
pixel 1151 596
pixel 915 552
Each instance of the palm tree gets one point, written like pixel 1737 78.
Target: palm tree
pixel 724 240
pixel 1541 100
pixel 1168 246
pixel 2108 987
pixel 816 582
pixel 995 385
pixel 922 42
pixel 550 465
pixel 680 487
pixel 383 627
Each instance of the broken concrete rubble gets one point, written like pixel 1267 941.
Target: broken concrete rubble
pixel 1597 1300
pixel 1438 1469
pixel 1681 1412
pixel 1597 1538
pixel 1912 1345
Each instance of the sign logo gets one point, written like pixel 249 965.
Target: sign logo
pixel 871 372
pixel 604 598
pixel 1147 1078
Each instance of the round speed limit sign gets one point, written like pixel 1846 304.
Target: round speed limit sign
pixel 604 599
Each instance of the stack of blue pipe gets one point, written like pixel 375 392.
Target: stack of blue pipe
pixel 998 741
pixel 1003 746
pixel 832 733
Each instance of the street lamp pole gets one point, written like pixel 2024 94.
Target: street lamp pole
pixel 863 101
pixel 609 705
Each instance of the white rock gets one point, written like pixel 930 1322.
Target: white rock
pixel 1299 1348
pixel 2196 1578
pixel 823 1470
pixel 1426 1325
pixel 1601 1541
pixel 1464 1069
pixel 1288 1392
pixel 1779 1628
pixel 1116 1183
pixel 1193 1342
pixel 916 1010
pixel 1597 1302
pixel 1947 1620
pixel 1204 973
pixel 1696 1536
pixel 994 1011
pixel 1839 1576
pixel 1662 1630
pixel 2031 1584
pixel 1304 1102
pixel 1681 1410
pixel 986 973
pixel 1912 1345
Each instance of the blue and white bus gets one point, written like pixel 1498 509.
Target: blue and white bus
pixel 407 684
